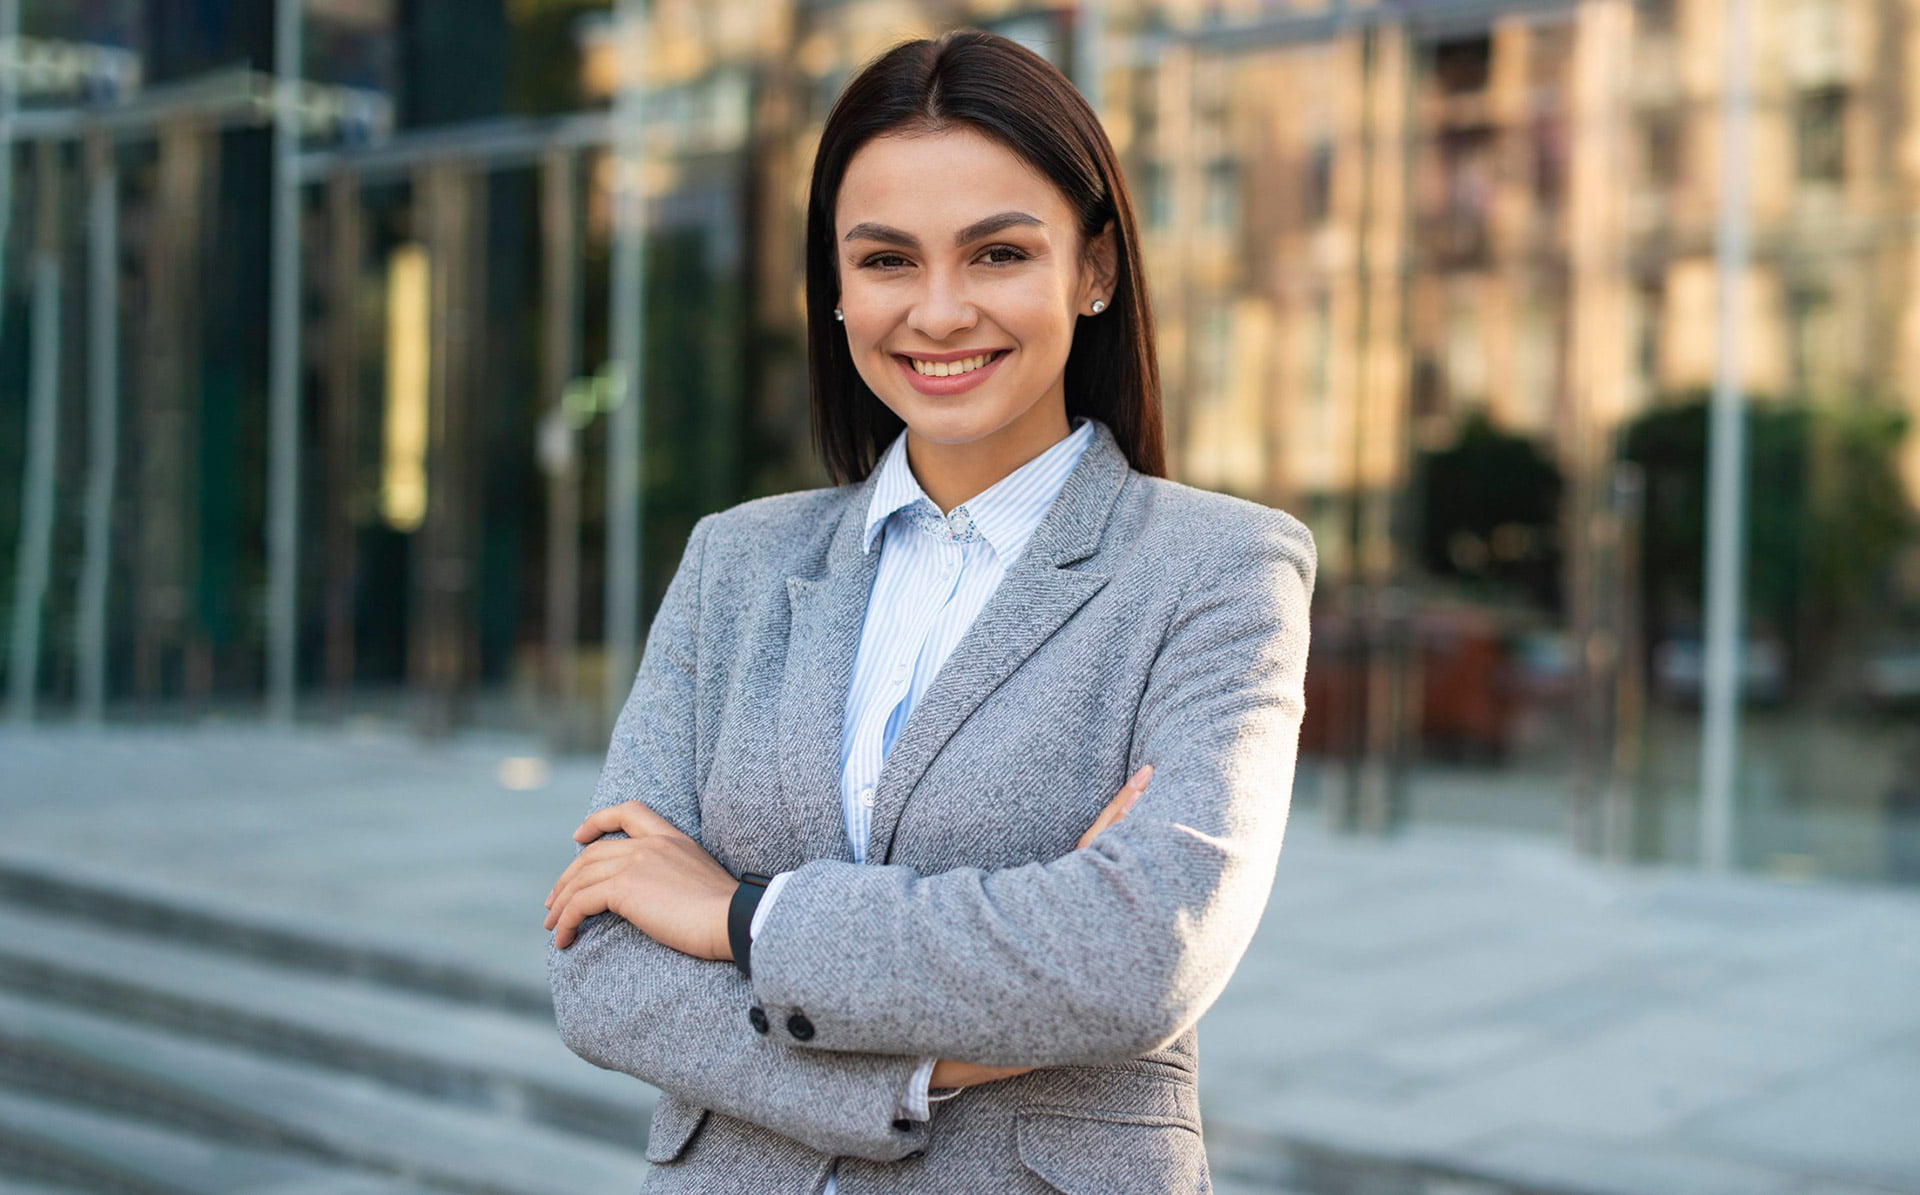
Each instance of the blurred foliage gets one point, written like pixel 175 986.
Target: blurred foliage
pixel 1490 509
pixel 544 75
pixel 1826 512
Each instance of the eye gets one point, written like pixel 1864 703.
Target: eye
pixel 1002 255
pixel 883 261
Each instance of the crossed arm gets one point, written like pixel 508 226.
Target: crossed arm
pixel 890 965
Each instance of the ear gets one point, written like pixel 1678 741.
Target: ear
pixel 1099 267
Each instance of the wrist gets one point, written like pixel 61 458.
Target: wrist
pixel 721 946
pixel 741 903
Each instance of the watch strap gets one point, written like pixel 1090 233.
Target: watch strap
pixel 746 898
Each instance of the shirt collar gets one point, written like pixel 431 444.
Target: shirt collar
pixel 1006 513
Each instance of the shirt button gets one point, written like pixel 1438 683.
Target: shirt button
pixel 800 1027
pixel 866 797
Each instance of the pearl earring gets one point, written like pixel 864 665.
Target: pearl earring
pixel 1099 305
pixel 839 314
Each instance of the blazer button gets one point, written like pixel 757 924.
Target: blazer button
pixel 918 1153
pixel 800 1027
pixel 758 1016
pixel 904 1125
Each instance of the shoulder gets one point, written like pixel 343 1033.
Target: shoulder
pixel 778 532
pixel 1207 533
pixel 779 512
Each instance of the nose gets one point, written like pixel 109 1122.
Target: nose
pixel 943 309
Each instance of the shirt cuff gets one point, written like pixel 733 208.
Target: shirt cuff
pixel 766 902
pixel 914 1105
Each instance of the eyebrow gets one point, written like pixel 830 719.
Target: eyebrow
pixel 966 236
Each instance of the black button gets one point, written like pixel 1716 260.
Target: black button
pixel 918 1153
pixel 758 1016
pixel 904 1125
pixel 800 1027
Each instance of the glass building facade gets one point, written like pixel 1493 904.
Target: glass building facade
pixel 1450 281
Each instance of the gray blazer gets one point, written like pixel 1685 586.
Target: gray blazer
pixel 1147 622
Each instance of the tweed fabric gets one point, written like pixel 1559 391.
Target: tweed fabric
pixel 1147 622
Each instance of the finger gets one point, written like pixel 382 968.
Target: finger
pixel 586 857
pixel 1129 793
pixel 1137 787
pixel 1099 823
pixel 584 878
pixel 584 904
pixel 632 817
pixel 588 884
pixel 1117 807
pixel 1108 815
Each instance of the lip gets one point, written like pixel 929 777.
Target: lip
pixel 956 384
pixel 956 355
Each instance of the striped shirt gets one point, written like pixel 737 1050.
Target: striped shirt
pixel 936 572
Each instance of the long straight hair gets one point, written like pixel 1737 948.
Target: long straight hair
pixel 978 80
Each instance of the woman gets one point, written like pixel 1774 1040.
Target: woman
pixel 910 700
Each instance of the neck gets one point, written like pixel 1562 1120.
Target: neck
pixel 953 473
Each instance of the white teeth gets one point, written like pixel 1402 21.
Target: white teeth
pixel 946 369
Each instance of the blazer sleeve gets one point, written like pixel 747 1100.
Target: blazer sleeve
pixel 1113 950
pixel 624 1002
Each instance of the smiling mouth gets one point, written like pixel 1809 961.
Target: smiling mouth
pixel 948 369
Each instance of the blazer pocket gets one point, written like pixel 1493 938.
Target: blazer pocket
pixel 674 1123
pixel 1081 1152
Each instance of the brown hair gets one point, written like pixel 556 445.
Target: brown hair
pixel 997 86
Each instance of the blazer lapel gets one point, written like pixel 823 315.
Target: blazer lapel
pixel 1037 595
pixel 824 633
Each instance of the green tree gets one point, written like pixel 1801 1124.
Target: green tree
pixel 1825 511
pixel 1489 512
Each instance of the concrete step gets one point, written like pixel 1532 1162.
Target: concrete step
pixel 58 1145
pixel 195 919
pixel 481 1058
pixel 229 1094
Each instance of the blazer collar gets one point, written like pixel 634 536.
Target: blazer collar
pixel 1037 595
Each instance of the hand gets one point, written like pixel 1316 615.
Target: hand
pixel 1117 808
pixel 659 879
pixel 948 1072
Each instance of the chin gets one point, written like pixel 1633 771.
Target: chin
pixel 959 423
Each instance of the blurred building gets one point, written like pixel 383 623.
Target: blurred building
pixel 1438 276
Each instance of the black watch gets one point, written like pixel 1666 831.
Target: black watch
pixel 746 898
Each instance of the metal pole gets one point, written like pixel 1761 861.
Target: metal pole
pixel 283 496
pixel 560 443
pixel 34 562
pixel 103 414
pixel 1089 45
pixel 627 313
pixel 9 106
pixel 1726 469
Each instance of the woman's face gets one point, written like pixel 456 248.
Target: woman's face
pixel 962 274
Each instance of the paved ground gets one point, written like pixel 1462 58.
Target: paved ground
pixel 1454 1011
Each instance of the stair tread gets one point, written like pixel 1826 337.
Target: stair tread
pixel 350 1116
pixel 164 1160
pixel 408 1024
pixel 160 908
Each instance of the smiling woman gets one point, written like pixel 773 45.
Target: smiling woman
pixel 941 301
pixel 966 202
pixel 961 783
